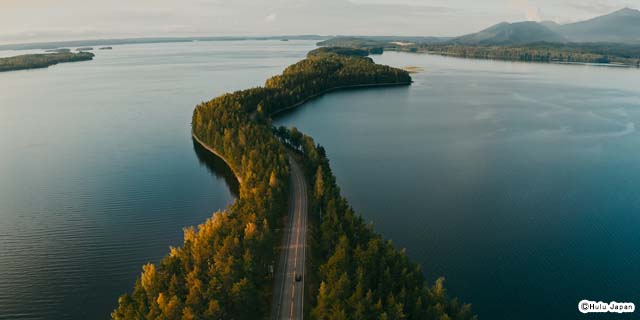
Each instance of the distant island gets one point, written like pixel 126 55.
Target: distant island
pixel 612 39
pixel 85 49
pixel 106 48
pixel 111 42
pixel 60 50
pixel 36 61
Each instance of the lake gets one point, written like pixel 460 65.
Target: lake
pixel 519 183
pixel 98 172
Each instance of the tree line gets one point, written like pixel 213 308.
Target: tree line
pixel 356 273
pixel 627 54
pixel 224 268
pixel 360 52
pixel 34 61
pixel 536 53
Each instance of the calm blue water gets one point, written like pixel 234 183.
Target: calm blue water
pixel 519 183
pixel 98 173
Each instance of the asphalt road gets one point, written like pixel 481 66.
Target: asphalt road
pixel 288 297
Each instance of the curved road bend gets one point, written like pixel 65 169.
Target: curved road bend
pixel 288 295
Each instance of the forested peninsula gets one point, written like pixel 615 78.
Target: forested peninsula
pixel 35 61
pixel 223 269
pixel 600 53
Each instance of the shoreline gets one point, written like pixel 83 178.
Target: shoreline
pixel 357 86
pixel 42 60
pixel 217 154
pixel 249 229
pixel 308 99
pixel 271 115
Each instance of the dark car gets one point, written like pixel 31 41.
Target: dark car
pixel 298 277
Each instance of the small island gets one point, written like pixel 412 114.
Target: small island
pixel 36 61
pixel 59 50
pixel 106 48
pixel 84 49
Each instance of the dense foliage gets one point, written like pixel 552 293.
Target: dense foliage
pixel 319 74
pixel 346 51
pixel 59 50
pixel 223 270
pixel 358 275
pixel 33 61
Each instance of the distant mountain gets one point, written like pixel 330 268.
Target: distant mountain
pixel 622 26
pixel 511 33
pixel 552 25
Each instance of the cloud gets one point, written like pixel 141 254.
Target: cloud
pixel 271 18
pixel 36 20
pixel 433 6
pixel 600 6
pixel 531 12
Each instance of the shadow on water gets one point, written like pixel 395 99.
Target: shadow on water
pixel 217 167
pixel 288 112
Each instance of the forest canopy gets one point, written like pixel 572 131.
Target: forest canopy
pixel 345 51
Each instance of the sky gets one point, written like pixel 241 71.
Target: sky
pixel 48 20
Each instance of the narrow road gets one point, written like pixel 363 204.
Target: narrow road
pixel 288 295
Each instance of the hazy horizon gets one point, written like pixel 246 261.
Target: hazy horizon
pixel 38 20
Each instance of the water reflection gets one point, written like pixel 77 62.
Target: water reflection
pixel 217 167
pixel 505 178
pixel 119 180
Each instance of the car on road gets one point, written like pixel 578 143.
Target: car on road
pixel 298 277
